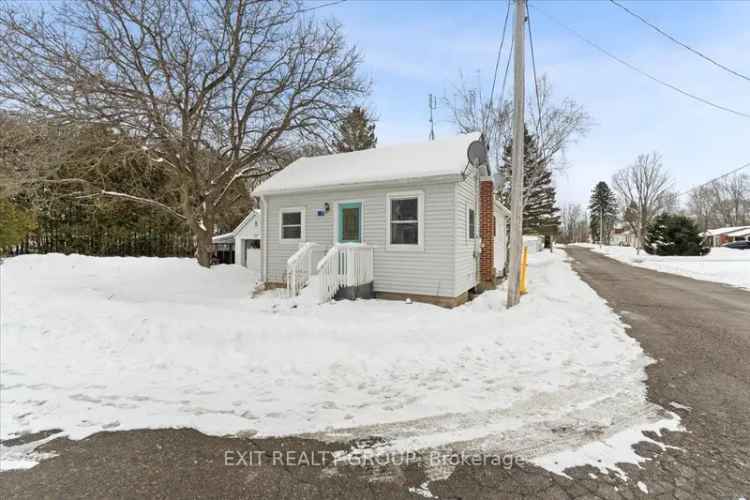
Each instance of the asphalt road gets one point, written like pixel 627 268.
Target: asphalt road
pixel 698 332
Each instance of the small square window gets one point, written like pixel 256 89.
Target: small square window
pixel 292 224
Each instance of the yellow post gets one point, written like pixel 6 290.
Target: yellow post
pixel 524 262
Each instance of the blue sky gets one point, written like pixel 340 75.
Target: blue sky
pixel 413 48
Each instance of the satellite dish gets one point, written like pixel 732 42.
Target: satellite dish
pixel 477 153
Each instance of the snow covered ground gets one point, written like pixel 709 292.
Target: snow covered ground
pixel 723 265
pixel 90 344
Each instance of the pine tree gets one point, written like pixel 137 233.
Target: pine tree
pixel 356 132
pixel 540 215
pixel 673 235
pixel 603 202
pixel 15 224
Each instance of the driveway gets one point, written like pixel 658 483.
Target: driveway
pixel 698 332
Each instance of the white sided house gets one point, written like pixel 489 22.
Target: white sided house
pixel 243 242
pixel 411 221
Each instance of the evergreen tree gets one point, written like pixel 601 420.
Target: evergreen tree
pixel 603 202
pixel 673 235
pixel 356 132
pixel 540 215
pixel 15 224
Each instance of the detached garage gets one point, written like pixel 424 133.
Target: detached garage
pixel 241 246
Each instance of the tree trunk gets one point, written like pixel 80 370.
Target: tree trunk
pixel 203 248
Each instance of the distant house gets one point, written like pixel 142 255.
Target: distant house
pixel 411 221
pixel 720 236
pixel 622 236
pixel 740 234
pixel 241 246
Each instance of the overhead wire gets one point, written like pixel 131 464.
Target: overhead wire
pixel 727 174
pixel 536 84
pixel 678 42
pixel 637 69
pixel 497 63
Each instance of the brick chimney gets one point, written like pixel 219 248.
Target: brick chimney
pixel 487 233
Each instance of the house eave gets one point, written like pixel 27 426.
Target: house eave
pixel 433 179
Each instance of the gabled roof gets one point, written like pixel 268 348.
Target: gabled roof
pixel 741 232
pixel 229 237
pixel 439 158
pixel 253 213
pixel 223 238
pixel 724 230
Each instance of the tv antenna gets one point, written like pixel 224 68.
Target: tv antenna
pixel 432 104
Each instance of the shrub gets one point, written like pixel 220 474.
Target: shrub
pixel 673 235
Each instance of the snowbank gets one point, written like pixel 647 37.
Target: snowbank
pixel 90 344
pixel 722 265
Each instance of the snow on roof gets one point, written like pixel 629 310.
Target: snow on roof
pixel 441 157
pixel 724 230
pixel 244 222
pixel 741 232
pixel 223 238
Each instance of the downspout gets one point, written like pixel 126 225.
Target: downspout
pixel 477 226
pixel 264 241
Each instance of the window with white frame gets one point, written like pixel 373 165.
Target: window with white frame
pixel 292 224
pixel 471 223
pixel 405 220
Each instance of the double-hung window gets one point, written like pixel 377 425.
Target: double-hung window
pixel 292 225
pixel 405 220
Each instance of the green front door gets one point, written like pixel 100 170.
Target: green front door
pixel 350 222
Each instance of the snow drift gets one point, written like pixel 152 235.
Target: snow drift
pixel 92 344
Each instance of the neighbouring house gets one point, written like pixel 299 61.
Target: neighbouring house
pixel 533 242
pixel 622 236
pixel 241 246
pixel 722 235
pixel 412 221
pixel 739 235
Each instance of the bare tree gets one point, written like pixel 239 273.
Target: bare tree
pixel 562 122
pixel 472 110
pixel 574 224
pixel 216 91
pixel 644 192
pixel 724 202
pixel 731 200
pixel 700 206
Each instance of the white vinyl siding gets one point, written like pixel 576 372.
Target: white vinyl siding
pixel 426 272
pixel 465 260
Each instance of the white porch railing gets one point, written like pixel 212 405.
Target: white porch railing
pixel 299 268
pixel 348 264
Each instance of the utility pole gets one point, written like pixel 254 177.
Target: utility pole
pixel 432 104
pixel 516 203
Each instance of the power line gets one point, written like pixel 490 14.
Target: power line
pixel 638 70
pixel 329 4
pixel 678 42
pixel 499 52
pixel 536 84
pixel 715 179
pixel 507 70
pixel 497 64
